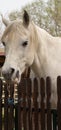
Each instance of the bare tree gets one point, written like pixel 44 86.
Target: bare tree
pixel 45 14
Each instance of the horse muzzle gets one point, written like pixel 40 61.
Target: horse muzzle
pixel 10 74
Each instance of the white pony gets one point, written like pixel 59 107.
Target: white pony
pixel 26 45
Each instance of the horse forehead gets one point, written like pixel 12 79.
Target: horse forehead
pixel 15 30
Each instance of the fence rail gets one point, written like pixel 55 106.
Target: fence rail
pixel 28 112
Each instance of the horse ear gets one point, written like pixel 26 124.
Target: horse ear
pixel 25 18
pixel 6 22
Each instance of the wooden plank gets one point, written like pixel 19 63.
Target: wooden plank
pixel 0 104
pixel 24 104
pixel 23 116
pixel 54 112
pixel 19 106
pixel 42 92
pixel 5 108
pixel 36 125
pixel 59 101
pixel 48 103
pixel 11 109
pixel 29 94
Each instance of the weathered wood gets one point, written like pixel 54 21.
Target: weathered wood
pixel 31 109
pixel 59 101
pixel 24 104
pixel 11 109
pixel 36 125
pixel 0 104
pixel 6 108
pixel 42 91
pixel 48 103
pixel 29 94
pixel 19 106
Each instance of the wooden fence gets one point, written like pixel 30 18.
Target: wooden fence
pixel 28 112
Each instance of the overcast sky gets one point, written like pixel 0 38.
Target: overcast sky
pixel 10 5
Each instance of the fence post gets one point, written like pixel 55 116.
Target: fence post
pixel 6 108
pixel 11 108
pixel 48 92
pixel 36 104
pixel 29 93
pixel 0 104
pixel 59 101
pixel 22 105
pixel 16 117
pixel 19 106
pixel 54 112
pixel 42 91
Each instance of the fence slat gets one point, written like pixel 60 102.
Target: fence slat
pixel 59 101
pixel 24 104
pixel 48 92
pixel 6 108
pixel 36 104
pixel 11 109
pixel 54 112
pixel 19 106
pixel 42 91
pixel 0 104
pixel 29 92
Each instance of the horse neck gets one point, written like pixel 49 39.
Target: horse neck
pixel 39 55
pixel 44 42
pixel 36 37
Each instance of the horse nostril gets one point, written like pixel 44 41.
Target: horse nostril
pixel 17 74
pixel 12 70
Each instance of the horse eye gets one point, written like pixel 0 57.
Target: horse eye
pixel 3 43
pixel 25 43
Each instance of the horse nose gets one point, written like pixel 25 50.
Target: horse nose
pixel 8 73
